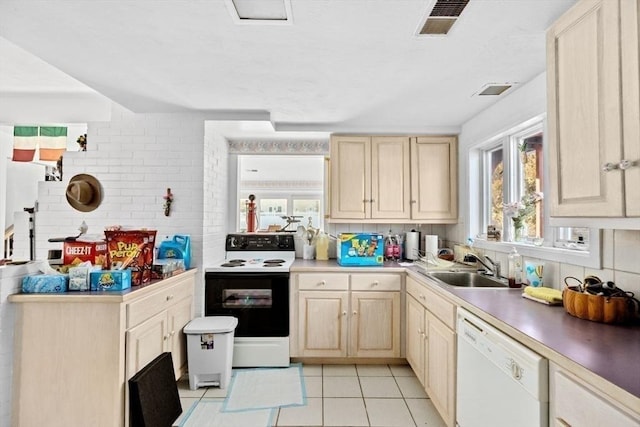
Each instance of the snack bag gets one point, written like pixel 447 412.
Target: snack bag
pixel 131 249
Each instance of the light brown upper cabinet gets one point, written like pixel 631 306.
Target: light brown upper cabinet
pixel 594 110
pixel 393 178
pixel 370 177
pixel 434 179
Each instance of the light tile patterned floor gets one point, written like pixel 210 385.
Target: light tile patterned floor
pixel 349 395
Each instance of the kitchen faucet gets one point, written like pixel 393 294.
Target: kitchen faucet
pixel 493 270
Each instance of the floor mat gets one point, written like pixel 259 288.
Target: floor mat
pixel 208 413
pixel 265 388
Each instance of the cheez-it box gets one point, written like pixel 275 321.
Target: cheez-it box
pixel 77 251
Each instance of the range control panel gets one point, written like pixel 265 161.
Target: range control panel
pixel 260 242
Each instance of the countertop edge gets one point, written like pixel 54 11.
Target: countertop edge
pixel 99 297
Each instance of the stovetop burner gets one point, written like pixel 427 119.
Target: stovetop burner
pixel 232 264
pixel 236 261
pixel 273 261
pixel 272 264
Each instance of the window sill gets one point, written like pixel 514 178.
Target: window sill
pixel 591 258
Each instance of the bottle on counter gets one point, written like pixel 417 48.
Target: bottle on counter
pixel 391 250
pixel 514 274
pixel 322 246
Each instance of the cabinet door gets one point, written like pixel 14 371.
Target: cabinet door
pixel 583 72
pixel 416 336
pixel 145 342
pixel 390 188
pixel 630 46
pixel 441 368
pixel 350 177
pixel 322 323
pixel 434 179
pixel 375 324
pixel 178 316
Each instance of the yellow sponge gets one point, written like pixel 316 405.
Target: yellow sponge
pixel 547 294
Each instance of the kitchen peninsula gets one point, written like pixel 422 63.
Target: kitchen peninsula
pixel 75 351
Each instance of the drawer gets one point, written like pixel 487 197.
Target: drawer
pixel 376 282
pixel 320 281
pixel 575 405
pixel 437 305
pixel 441 308
pixel 416 290
pixel 140 310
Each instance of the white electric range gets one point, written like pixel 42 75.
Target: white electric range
pixel 252 284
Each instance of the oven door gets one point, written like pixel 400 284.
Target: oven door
pixel 260 301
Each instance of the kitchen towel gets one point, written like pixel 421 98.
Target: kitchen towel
pixel 547 294
pixel 431 244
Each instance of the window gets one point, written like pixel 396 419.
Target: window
pixel 502 171
pixel 273 213
pixel 513 183
pixel 284 187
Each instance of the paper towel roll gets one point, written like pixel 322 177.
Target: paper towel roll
pixel 412 245
pixel 431 245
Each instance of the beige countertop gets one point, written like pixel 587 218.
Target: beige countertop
pixel 605 355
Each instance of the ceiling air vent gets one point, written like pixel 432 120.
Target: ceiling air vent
pixel 444 14
pixel 261 12
pixel 494 89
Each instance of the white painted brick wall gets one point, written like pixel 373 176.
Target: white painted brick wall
pixel 10 283
pixel 137 157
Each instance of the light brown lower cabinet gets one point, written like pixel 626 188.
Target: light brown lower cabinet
pixel 431 346
pixel 348 315
pixel 74 352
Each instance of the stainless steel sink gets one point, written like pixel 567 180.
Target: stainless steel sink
pixel 468 279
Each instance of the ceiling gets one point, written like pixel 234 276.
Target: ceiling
pixel 338 66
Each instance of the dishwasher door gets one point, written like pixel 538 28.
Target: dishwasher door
pixel 500 383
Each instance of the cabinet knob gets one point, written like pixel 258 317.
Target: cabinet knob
pixel 169 297
pixel 420 332
pixel 626 164
pixel 608 167
pixel 355 313
pixel 365 201
pixel 422 296
pixel 344 313
pixel 173 333
pixel 371 200
pixel 322 282
pixel 166 337
pixel 424 336
pixel 375 283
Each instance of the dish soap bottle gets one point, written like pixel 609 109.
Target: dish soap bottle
pixel 322 247
pixel 515 269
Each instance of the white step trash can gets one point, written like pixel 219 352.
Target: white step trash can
pixel 210 350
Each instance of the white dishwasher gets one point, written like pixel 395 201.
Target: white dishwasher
pixel 500 382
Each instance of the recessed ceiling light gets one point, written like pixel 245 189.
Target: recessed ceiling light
pixel 261 12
